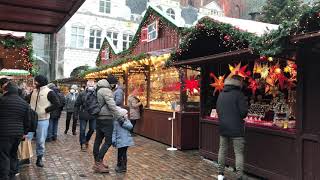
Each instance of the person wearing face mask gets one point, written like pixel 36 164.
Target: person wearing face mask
pixel 81 111
pixel 44 101
pixel 70 102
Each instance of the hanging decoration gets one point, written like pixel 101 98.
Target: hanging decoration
pixel 238 70
pixel 253 85
pixel 264 71
pixel 218 83
pixel 191 85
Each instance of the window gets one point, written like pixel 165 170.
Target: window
pixel 77 37
pixel 105 6
pixel 171 13
pixel 114 37
pixel 152 31
pixel 127 39
pixel 95 39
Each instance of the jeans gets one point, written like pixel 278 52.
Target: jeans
pixel 42 132
pixel 9 157
pixel 238 145
pixel 104 130
pixel 74 123
pixel 83 125
pixel 53 128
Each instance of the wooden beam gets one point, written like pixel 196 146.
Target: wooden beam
pixel 306 37
pixel 26 27
pixel 215 57
pixel 58 6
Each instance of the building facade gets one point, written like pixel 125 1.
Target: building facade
pixel 79 41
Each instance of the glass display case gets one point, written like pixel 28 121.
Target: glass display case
pixel 164 89
pixel 137 82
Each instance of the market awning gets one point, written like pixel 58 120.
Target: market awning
pixel 40 16
pixel 243 53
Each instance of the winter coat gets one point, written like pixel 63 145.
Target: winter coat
pixel 56 114
pixel 121 136
pixel 79 108
pixel 106 101
pixel 13 114
pixel 119 96
pixel 134 108
pixel 232 108
pixel 70 101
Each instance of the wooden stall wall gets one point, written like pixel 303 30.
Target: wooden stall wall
pixel 308 62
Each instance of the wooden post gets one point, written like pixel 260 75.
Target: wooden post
pixel 148 78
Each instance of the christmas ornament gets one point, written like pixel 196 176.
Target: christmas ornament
pixel 282 79
pixel 270 59
pixel 263 58
pixel 253 85
pixel 192 85
pixel 238 70
pixel 218 83
pixel 264 71
pixel 227 38
pixel 257 69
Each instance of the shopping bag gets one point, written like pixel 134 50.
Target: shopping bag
pixel 25 150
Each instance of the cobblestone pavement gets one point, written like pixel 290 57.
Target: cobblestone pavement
pixel 147 160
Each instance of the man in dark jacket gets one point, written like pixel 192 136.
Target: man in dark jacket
pixel 14 124
pixel 81 111
pixel 232 108
pixel 55 115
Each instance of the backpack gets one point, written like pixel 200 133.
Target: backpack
pixel 91 104
pixel 62 99
pixel 33 120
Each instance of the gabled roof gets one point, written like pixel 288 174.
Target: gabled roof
pixel 150 10
pixel 255 27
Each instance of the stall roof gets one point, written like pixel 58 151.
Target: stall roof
pixel 255 27
pixel 40 16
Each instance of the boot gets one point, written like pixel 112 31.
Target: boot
pixel 39 162
pixel 123 166
pixel 99 167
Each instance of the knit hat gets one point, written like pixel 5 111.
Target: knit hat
pixel 42 80
pixel 51 85
pixel 75 87
pixel 112 79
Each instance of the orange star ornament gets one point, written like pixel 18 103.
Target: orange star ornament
pixel 218 83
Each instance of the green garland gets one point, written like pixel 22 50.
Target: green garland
pixel 270 44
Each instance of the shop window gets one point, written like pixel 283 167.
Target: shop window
pixel 114 37
pixel 95 39
pixel 127 39
pixel 77 37
pixel 171 13
pixel 165 89
pixel 105 6
pixel 137 83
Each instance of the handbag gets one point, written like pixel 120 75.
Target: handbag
pixel 25 150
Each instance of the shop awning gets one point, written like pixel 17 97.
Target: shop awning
pixel 243 53
pixel 40 16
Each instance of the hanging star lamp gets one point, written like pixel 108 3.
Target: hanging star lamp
pixel 253 85
pixel 264 71
pixel 218 83
pixel 238 70
pixel 192 85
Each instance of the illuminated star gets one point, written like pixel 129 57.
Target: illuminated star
pixel 218 83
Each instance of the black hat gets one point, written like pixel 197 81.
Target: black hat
pixel 112 79
pixel 42 80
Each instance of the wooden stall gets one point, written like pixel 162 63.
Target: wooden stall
pixel 142 68
pixel 272 141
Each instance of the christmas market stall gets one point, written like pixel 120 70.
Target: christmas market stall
pixel 161 89
pixel 268 64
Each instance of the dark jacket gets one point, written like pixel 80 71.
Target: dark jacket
pixel 79 107
pixel 232 108
pixel 13 114
pixel 70 101
pixel 57 112
pixel 119 96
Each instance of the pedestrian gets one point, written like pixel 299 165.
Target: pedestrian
pixel 105 118
pixel 70 102
pixel 119 95
pixel 44 101
pixel 122 139
pixel 55 115
pixel 232 108
pixel 134 104
pixel 14 124
pixel 81 111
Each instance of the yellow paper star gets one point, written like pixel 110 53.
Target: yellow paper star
pixel 264 71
